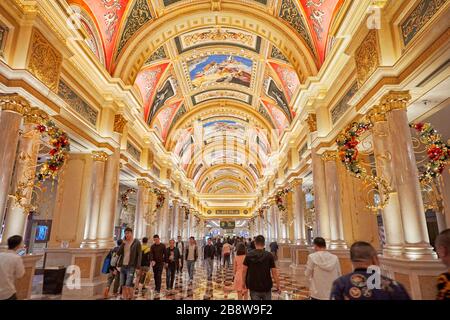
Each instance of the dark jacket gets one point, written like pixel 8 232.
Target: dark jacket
pixel 176 255
pixel 186 253
pixel 209 251
pixel 353 286
pixel 158 253
pixel 135 254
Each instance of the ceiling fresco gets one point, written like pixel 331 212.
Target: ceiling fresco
pixel 207 69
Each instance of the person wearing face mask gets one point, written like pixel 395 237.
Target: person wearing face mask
pixel 11 268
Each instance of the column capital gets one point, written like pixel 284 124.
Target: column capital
pixel 377 114
pixel 14 103
pixel 141 182
pixel 35 116
pixel 99 156
pixel 330 155
pixel 296 182
pixel 395 100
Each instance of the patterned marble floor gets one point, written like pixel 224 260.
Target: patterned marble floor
pixel 220 288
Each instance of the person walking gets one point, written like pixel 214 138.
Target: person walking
pixel 114 274
pixel 172 261
pixel 130 253
pixel 259 268
pixel 238 268
pixel 191 255
pixel 145 267
pixel 157 258
pixel 322 268
pixel 274 249
pixel 180 245
pixel 355 286
pixel 442 244
pixel 11 268
pixel 208 257
pixel 226 251
pixel 219 246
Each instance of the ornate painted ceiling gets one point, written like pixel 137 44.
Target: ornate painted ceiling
pixel 216 96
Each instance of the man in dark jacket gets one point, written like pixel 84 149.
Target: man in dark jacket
pixel 172 261
pixel 114 274
pixel 130 253
pixel 158 258
pixel 191 256
pixel 208 256
pixel 361 284
pixel 259 267
pixel 180 245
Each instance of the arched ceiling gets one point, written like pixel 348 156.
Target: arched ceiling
pixel 217 85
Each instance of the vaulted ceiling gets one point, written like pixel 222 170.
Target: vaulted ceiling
pixel 217 95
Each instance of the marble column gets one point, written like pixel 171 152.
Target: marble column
pixel 108 206
pixel 93 206
pixel 299 214
pixel 334 203
pixel 141 207
pixel 444 186
pixel 391 214
pixel 12 107
pixel 406 176
pixel 25 172
pixel 320 197
pixel 269 224
pixel 276 220
pixel 164 234
pixel 176 219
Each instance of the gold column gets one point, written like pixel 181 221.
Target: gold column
pixel 25 171
pixel 334 203
pixel 141 207
pixel 320 196
pixel 383 150
pixel 96 190
pixel 12 107
pixel 108 207
pixel 406 176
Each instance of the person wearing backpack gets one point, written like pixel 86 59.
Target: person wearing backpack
pixel 113 275
pixel 145 266
pixel 130 253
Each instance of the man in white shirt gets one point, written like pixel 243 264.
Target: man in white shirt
pixel 11 268
pixel 322 269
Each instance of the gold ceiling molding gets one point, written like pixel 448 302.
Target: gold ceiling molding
pixel 99 156
pixel 44 61
pixel 119 123
pixel 367 57
pixel 312 122
pixel 35 116
pixel 219 167
pixel 210 184
pixel 396 80
pixel 237 15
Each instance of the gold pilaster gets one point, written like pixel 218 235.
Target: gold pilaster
pixel 395 100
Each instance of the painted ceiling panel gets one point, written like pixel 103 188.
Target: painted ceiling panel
pixel 164 119
pixel 320 14
pixel 147 82
pixel 278 116
pixel 108 15
pixel 288 78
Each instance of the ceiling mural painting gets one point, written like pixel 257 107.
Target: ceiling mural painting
pixel 288 78
pixel 218 69
pixel 108 15
pixel 164 119
pixel 166 92
pixel 278 116
pixel 280 99
pixel 320 14
pixel 147 82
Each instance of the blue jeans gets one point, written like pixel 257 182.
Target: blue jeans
pixel 255 295
pixel 127 276
pixel 170 274
pixel 191 268
pixel 209 267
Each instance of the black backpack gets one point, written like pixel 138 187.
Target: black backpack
pixel 145 261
